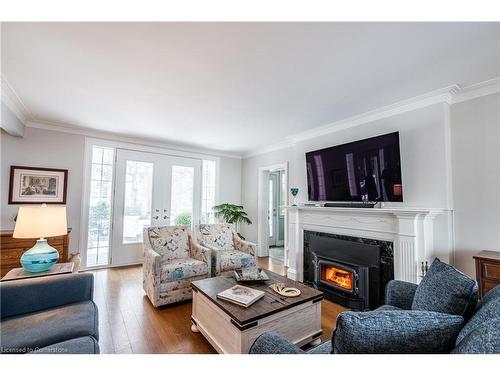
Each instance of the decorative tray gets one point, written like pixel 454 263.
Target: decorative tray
pixel 253 275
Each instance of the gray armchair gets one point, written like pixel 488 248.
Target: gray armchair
pixel 172 260
pixel 229 251
pixel 49 314
pixel 395 329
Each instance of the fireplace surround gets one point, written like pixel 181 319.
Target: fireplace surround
pixel 411 231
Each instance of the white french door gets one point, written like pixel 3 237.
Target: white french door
pixel 151 190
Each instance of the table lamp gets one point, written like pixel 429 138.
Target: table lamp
pixel 40 222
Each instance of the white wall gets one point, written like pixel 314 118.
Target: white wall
pixel 44 148
pixel 475 136
pixel 41 148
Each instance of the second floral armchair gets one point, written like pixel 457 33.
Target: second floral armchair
pixel 229 251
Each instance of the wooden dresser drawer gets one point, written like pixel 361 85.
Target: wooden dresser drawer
pixel 488 285
pixel 491 271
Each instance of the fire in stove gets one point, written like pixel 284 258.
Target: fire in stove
pixel 338 277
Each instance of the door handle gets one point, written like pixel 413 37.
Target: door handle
pixel 156 217
pixel 166 217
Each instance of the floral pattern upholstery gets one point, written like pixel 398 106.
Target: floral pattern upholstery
pixel 229 251
pixel 172 260
pixel 230 260
pixel 185 268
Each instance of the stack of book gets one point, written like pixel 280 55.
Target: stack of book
pixel 241 295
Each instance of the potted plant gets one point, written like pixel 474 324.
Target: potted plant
pixel 232 214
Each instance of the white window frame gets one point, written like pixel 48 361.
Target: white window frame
pixel 90 142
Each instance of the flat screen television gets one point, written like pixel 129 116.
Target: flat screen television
pixel 368 170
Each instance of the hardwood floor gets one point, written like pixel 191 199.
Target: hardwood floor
pixel 128 323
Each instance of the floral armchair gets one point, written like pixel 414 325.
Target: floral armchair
pixel 229 251
pixel 171 261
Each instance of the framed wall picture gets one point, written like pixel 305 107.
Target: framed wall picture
pixel 32 185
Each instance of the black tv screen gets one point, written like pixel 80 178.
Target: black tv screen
pixel 368 171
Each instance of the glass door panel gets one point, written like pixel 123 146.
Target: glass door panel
pixel 138 200
pixel 182 195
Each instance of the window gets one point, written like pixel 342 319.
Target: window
pixel 208 192
pixel 99 220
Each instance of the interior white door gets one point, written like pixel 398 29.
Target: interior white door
pixel 151 190
pixel 273 208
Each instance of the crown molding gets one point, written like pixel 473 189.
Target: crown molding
pixel 270 148
pixel 142 141
pixel 477 90
pixel 452 94
pixel 14 102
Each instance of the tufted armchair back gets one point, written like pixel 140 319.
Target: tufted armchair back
pixel 171 242
pixel 218 236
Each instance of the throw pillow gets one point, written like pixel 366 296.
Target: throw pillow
pixel 445 289
pixel 397 331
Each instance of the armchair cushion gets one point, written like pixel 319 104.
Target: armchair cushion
pixel 399 331
pixel 178 269
pixel 51 326
pixel 485 339
pixel 41 293
pixel 171 242
pixel 218 236
pixel 272 343
pixel 487 310
pixel 234 259
pixel 447 290
pixel 400 294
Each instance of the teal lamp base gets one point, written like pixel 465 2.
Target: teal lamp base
pixel 40 257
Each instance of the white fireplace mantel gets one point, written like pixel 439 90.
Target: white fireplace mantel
pixel 411 230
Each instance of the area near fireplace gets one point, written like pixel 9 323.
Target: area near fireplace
pixel 413 235
pixel 351 271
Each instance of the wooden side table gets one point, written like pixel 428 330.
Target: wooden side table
pixel 487 270
pixel 21 273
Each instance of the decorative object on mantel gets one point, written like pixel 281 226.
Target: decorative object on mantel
pixel 33 185
pixel 250 275
pixel 285 291
pixel 40 222
pixel 294 192
pixel 232 214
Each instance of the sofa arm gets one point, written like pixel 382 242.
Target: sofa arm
pixel 272 343
pixel 152 262
pixel 396 332
pixel 400 294
pixel 202 253
pixel 45 292
pixel 245 246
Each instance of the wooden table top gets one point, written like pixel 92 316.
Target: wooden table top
pixel 488 255
pixel 21 273
pixel 270 304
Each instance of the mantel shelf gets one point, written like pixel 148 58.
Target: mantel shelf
pixel 373 211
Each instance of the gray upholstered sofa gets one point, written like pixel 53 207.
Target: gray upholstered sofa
pixel 438 316
pixel 49 314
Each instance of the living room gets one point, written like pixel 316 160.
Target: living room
pixel 250 188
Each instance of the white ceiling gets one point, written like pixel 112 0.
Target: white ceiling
pixel 234 86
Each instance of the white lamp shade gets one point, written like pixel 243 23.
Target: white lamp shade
pixel 40 221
